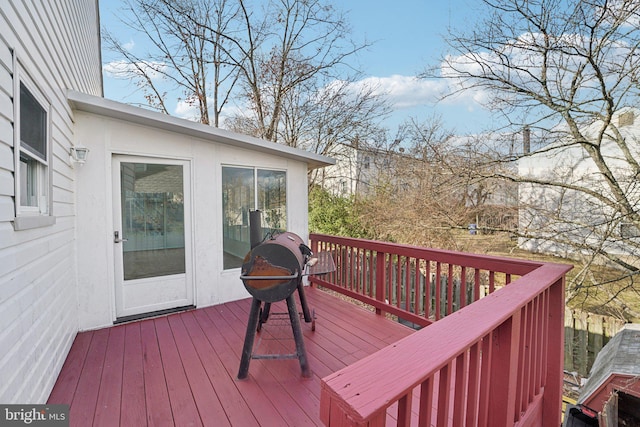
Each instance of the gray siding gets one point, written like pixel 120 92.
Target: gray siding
pixel 58 45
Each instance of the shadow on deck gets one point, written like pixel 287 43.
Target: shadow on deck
pixel 181 369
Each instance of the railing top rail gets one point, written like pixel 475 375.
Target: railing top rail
pixel 486 262
pixel 430 349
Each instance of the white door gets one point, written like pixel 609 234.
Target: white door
pixel 152 235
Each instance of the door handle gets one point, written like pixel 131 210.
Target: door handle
pixel 117 239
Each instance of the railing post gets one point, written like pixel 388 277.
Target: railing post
pixel 504 381
pixel 380 285
pixel 551 401
pixel 314 249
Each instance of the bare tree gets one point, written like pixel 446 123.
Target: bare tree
pixel 566 70
pixel 289 59
pixel 297 61
pixel 188 53
pixel 421 193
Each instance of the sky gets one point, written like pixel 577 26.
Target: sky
pixel 406 36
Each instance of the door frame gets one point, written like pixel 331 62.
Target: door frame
pixel 120 312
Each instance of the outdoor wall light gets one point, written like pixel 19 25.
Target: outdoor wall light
pixel 78 154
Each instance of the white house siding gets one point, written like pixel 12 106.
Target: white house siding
pixel 57 44
pixel 108 136
pixel 355 170
pixel 550 212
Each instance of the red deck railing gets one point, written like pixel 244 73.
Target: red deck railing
pixel 489 361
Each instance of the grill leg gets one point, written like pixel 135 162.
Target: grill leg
pixel 249 337
pixel 297 335
pixel 303 302
pixel 265 312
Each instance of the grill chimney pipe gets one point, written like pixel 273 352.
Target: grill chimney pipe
pixel 526 140
pixel 255 228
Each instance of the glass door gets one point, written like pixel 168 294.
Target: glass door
pixel 152 235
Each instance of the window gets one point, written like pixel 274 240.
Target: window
pixel 32 158
pixel 628 230
pixel 244 190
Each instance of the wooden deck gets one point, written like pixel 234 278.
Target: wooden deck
pixel 181 369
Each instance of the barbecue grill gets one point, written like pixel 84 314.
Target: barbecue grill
pixel 272 271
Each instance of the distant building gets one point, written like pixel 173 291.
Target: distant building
pixel 357 169
pixel 557 214
pixel 613 387
pixel 360 169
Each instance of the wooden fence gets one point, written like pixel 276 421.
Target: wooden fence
pixel 585 335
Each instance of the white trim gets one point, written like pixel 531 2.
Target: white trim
pixel 112 109
pixel 119 307
pixel 42 214
pixel 26 222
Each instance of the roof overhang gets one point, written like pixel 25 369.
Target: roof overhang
pixel 105 107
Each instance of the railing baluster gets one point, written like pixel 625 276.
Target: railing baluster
pixel 533 381
pixel 404 410
pixel 391 274
pixel 529 348
pixel 473 385
pixel 485 380
pixel 522 360
pixel 438 289
pixel 542 310
pixel 427 289
pixel 460 390
pixel 476 284
pixel 450 290
pixel 492 281
pixel 444 395
pixel 426 403
pixel 379 279
pixel 463 286
pixel 408 277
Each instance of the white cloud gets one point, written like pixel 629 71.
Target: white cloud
pixel 124 69
pixel 189 111
pixel 186 110
pixel 405 91
pixel 129 45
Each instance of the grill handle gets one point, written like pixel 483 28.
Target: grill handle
pixel 294 276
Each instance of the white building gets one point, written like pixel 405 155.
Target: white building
pixel 561 218
pixel 155 219
pixel 358 169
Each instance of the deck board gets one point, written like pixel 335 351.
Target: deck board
pixel 183 405
pixel 232 402
pixel 204 395
pixel 66 384
pixel 109 396
pixel 83 406
pixel 155 385
pixel 181 369
pixel 133 410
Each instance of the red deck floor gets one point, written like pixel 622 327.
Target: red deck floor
pixel 181 369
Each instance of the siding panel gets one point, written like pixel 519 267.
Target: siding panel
pixel 6 106
pixel 6 183
pixel 7 210
pixel 58 46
